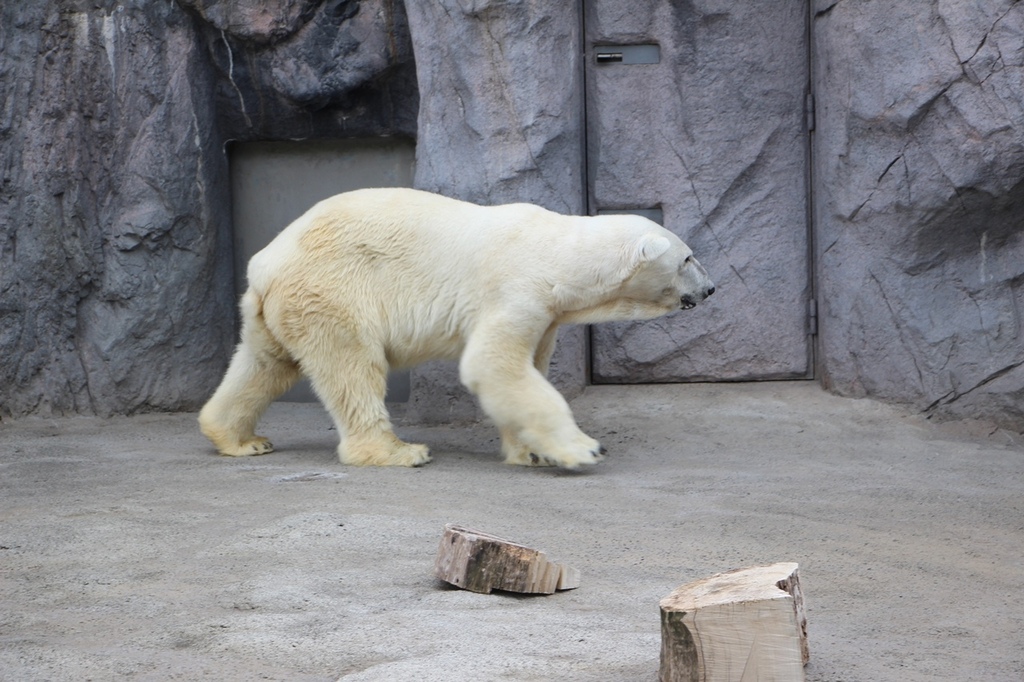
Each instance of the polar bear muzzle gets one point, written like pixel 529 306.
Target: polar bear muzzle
pixel 700 284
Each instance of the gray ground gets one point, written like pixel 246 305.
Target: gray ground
pixel 128 550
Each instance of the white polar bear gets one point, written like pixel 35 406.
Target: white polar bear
pixel 378 279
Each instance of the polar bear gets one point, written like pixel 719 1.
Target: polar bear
pixel 378 279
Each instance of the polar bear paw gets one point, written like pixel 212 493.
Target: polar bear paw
pixel 257 445
pixel 515 452
pixel 584 451
pixel 518 454
pixel 575 457
pixel 383 451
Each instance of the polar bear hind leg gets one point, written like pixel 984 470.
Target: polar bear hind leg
pixel 349 375
pixel 259 372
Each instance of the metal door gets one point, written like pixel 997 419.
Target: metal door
pixel 696 114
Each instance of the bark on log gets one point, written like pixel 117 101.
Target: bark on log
pixel 747 624
pixel 480 562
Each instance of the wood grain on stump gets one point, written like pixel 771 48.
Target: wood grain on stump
pixel 747 624
pixel 481 562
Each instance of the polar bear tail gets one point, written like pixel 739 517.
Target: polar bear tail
pixel 260 370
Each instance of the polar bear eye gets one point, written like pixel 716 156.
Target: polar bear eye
pixel 689 259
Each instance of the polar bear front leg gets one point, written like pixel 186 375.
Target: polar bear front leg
pixel 352 383
pixel 499 367
pixel 513 450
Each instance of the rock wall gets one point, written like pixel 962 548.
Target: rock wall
pixel 116 287
pixel 115 263
pixel 919 191
pixel 111 233
pixel 500 121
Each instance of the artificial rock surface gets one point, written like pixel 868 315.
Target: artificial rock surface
pixel 920 203
pixel 116 288
pixel 499 122
pixel 112 235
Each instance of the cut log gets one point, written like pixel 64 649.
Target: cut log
pixel 742 625
pixel 481 562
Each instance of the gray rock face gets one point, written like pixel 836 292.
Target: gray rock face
pixel 316 68
pixel 499 122
pixel 115 265
pixel 111 229
pixel 920 203
pixel 116 287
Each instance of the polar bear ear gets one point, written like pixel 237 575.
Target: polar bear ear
pixel 649 247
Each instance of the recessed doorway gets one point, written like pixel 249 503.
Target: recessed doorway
pixel 273 183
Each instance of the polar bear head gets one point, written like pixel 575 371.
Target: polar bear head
pixel 641 271
pixel 663 271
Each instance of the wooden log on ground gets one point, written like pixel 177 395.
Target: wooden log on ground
pixel 747 624
pixel 481 562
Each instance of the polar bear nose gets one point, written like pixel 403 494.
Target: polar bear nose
pixel 711 290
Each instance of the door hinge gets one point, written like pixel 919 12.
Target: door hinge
pixel 809 114
pixel 812 317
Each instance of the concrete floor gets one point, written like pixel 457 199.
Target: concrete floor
pixel 128 550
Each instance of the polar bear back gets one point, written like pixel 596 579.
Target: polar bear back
pixel 414 269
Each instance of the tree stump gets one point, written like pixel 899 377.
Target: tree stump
pixel 747 624
pixel 480 562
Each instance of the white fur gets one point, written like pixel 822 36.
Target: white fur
pixel 381 279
